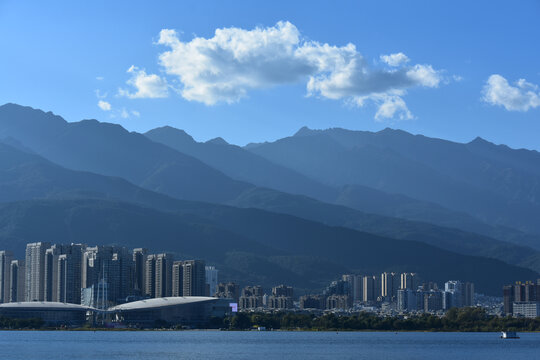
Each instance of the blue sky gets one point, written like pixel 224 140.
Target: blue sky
pixel 455 73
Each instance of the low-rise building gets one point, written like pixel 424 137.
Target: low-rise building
pixel 52 313
pixel 528 309
pixel 185 311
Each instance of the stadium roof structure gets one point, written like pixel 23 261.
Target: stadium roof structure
pixel 161 302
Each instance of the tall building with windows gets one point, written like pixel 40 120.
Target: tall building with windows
pixel 35 271
pixel 355 286
pixel 150 276
pixel 408 281
pixel 211 274
pixel 69 274
pixel 139 270
pixel 407 300
pixel 508 299
pixel 389 285
pixel 17 281
pixel 164 264
pixel 159 275
pixel 110 268
pixel 178 278
pixel 51 271
pixel 468 294
pixel 194 278
pixel 369 289
pixel 5 268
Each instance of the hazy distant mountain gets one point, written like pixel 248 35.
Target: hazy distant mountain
pixel 493 183
pixel 111 150
pixel 26 176
pixel 269 245
pixel 247 242
pixel 241 164
pixel 258 246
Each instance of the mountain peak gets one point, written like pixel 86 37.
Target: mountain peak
pixel 304 131
pixel 217 141
pixel 172 133
pixel 479 140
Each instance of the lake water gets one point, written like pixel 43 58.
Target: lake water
pixel 163 345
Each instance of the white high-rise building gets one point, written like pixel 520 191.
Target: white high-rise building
pixel 35 271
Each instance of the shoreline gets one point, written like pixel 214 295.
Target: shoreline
pixel 255 330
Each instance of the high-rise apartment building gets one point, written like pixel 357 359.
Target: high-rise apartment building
pixel 508 299
pixel 5 269
pixel 69 274
pixel 159 275
pixel 389 285
pixel 355 286
pixel 35 271
pixel 63 265
pixel 178 278
pixel 406 300
pixel 194 278
pixel 150 276
pixel 369 289
pixel 408 281
pixel 17 281
pixel 107 270
pixel 163 273
pixel 211 274
pixel 139 270
pixel 458 294
pixel 468 294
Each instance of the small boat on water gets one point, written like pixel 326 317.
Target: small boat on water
pixel 509 335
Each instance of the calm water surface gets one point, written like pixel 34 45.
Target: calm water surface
pixel 162 345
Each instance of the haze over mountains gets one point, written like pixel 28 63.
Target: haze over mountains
pixel 327 201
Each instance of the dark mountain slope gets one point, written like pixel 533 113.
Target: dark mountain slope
pixel 279 239
pixel 446 238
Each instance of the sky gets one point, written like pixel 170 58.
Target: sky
pixel 253 71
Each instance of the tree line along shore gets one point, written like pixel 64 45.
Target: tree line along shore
pixel 455 320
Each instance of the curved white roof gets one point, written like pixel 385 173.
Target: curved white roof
pixel 161 302
pixel 45 305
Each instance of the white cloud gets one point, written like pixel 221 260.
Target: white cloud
pixel 521 97
pixel 105 106
pixel 225 67
pixel 100 78
pixel 146 85
pixel 100 95
pixel 135 113
pixel 395 59
pixel 392 106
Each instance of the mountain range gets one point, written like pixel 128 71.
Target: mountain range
pixel 260 216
